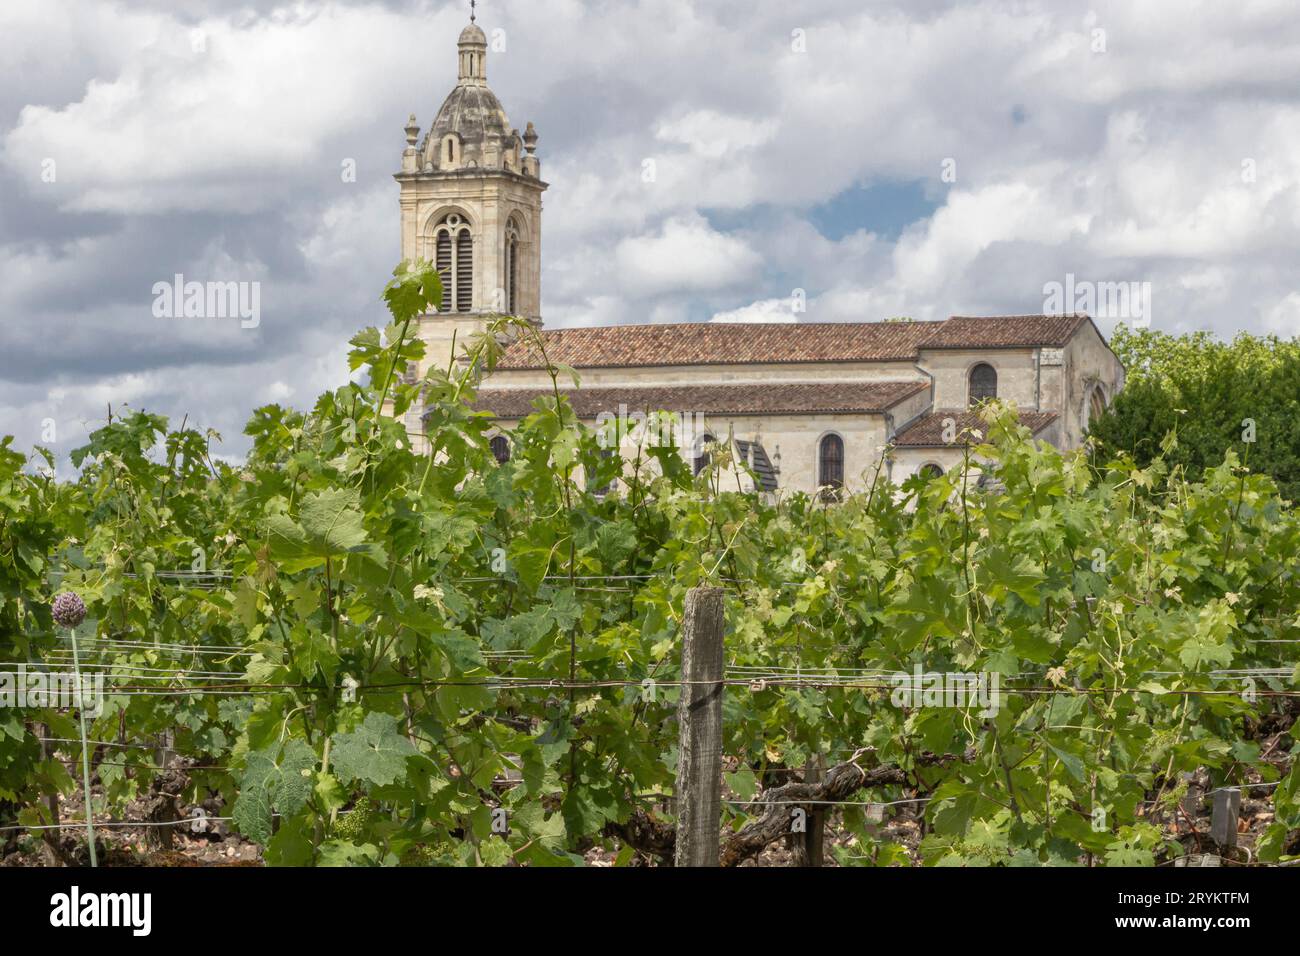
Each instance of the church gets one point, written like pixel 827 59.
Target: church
pixel 804 405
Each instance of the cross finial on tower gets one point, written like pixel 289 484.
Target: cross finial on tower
pixel 472 5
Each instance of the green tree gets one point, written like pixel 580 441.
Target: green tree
pixel 1195 395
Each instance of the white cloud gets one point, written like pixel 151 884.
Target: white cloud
pixel 929 259
pixel 687 254
pixel 765 310
pixel 180 127
pixel 1122 165
pixel 1284 317
pixel 715 135
pixel 278 391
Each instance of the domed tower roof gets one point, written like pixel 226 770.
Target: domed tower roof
pixel 473 34
pixel 475 114
pixel 471 129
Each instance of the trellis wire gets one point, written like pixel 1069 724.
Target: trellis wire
pixel 769 676
pixel 233 683
pixel 120 823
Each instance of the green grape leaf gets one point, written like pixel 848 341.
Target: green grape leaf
pixel 329 524
pixel 273 782
pixel 343 853
pixel 1126 853
pixel 374 754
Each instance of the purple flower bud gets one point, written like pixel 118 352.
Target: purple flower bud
pixel 69 609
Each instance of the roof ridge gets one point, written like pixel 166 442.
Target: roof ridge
pixel 731 325
pixel 1026 315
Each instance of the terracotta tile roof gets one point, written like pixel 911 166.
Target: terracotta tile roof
pixel 927 431
pixel 719 343
pixel 760 399
pixel 1005 331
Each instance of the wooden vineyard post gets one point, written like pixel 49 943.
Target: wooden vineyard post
pixel 163 752
pixel 812 838
pixel 53 838
pixel 1223 821
pixel 699 742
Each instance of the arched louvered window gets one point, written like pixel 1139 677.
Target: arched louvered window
pixel 464 271
pixel 983 384
pixel 830 464
pixel 442 260
pixel 500 446
pixel 454 260
pixel 702 452
pixel 512 268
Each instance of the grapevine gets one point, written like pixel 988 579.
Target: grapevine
pixel 365 654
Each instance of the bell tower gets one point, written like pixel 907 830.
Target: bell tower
pixel 471 203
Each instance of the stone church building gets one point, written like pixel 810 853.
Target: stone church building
pixel 804 404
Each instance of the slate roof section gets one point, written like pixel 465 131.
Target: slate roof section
pixel 927 431
pixel 725 343
pixel 759 399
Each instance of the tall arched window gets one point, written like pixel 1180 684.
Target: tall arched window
pixel 512 267
pixel 1096 404
pixel 830 464
pixel 702 452
pixel 983 384
pixel 500 446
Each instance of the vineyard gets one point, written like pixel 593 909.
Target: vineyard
pixel 347 653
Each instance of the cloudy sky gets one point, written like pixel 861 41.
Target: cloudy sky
pixel 913 157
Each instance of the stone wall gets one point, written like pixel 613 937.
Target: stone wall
pixel 1017 375
pixel 487 201
pixel 1059 380
pixel 1088 364
pixel 796 438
